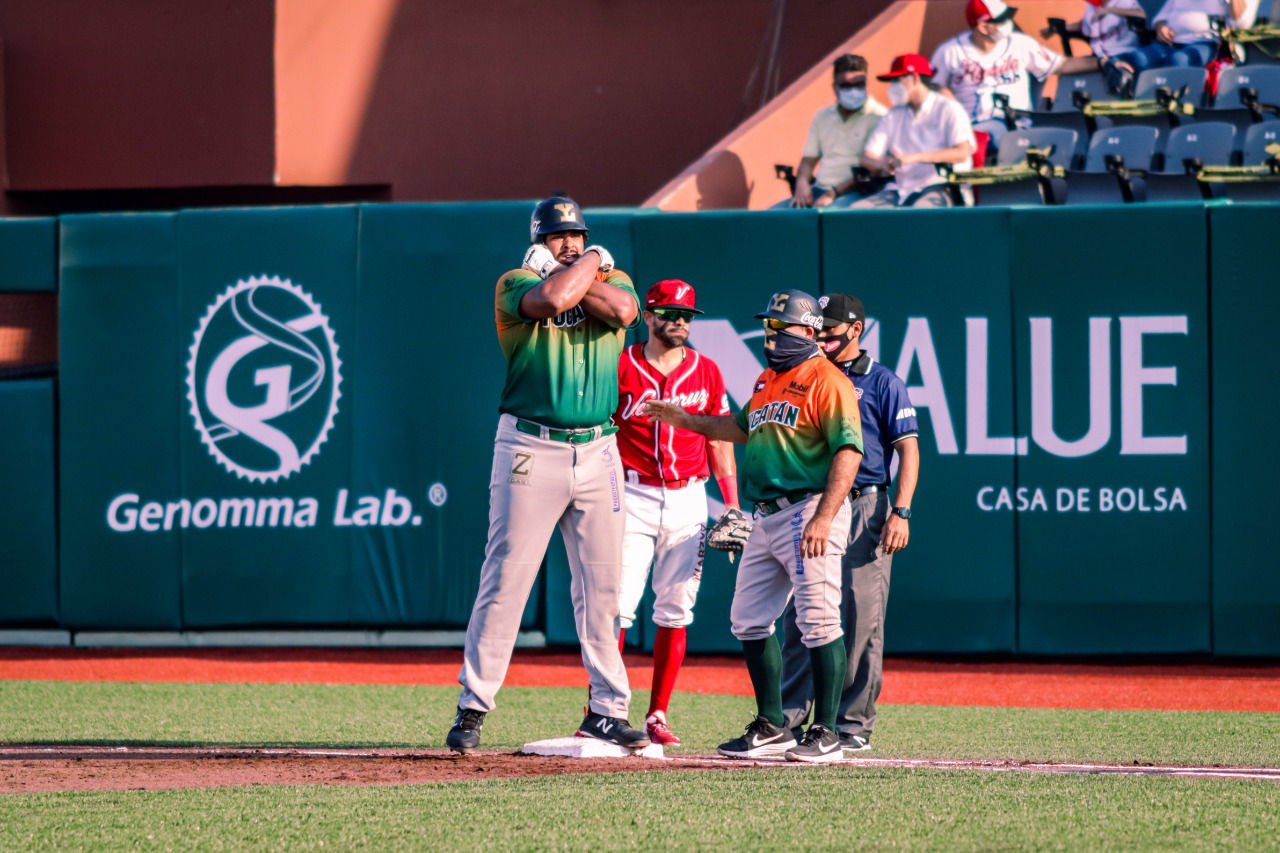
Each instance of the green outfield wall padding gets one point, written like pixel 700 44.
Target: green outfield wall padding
pixel 1111 384
pixel 28 255
pixel 936 288
pixel 267 299
pixel 1245 302
pixel 430 374
pixel 28 543
pixel 121 420
pixel 285 417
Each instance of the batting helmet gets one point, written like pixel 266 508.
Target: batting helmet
pixel 554 215
pixel 795 307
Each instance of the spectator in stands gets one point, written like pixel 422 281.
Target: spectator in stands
pixel 923 127
pixel 992 59
pixel 1183 35
pixel 837 136
pixel 1106 27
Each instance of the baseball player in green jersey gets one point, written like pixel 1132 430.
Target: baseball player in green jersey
pixel 561 323
pixel 804 445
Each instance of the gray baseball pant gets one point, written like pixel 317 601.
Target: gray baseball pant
pixel 772 572
pixel 866 595
pixel 535 485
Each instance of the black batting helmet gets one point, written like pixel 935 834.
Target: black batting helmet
pixel 795 307
pixel 554 215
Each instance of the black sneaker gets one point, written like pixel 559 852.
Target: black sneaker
pixel 855 743
pixel 820 744
pixel 613 730
pixel 465 734
pixel 760 739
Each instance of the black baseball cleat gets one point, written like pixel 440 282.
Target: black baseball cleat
pixel 855 743
pixel 613 730
pixel 762 738
pixel 820 744
pixel 464 737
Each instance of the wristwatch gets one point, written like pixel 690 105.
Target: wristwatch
pixel 903 512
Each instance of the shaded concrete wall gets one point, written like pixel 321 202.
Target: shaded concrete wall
pixel 140 103
pixel 110 94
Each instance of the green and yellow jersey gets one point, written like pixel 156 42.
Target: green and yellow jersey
pixel 562 371
pixel 795 422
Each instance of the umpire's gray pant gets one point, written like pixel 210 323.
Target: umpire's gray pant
pixel 865 585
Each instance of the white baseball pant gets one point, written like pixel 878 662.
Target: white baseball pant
pixel 666 529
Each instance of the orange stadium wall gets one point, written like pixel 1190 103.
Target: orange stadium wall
pixel 135 103
pixel 738 171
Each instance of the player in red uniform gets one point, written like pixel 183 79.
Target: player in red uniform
pixel 666 469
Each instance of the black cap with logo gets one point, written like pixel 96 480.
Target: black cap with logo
pixel 840 308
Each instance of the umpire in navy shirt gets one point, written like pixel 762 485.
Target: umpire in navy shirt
pixel 880 529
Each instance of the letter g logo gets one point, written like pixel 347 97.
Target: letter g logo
pixel 262 379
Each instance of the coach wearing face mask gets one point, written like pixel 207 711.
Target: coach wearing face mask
pixel 991 59
pixel 836 139
pixel 922 128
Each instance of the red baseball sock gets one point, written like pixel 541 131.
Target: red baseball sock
pixel 622 638
pixel 668 655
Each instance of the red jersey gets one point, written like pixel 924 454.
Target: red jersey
pixel 654 449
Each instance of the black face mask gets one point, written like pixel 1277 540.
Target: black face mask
pixel 833 345
pixel 788 350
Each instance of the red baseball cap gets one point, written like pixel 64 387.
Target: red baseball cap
pixel 671 293
pixel 908 63
pixel 977 11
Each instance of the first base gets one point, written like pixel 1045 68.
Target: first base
pixel 588 747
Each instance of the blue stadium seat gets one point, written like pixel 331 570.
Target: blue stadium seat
pixel 1253 148
pixel 1208 143
pixel 1016 142
pixel 1231 102
pixel 1172 79
pixel 1101 182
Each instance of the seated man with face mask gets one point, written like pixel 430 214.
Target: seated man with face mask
pixel 991 59
pixel 836 139
pixel 923 127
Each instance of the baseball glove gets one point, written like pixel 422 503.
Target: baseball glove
pixel 730 532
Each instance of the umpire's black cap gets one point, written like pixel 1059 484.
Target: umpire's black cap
pixel 840 308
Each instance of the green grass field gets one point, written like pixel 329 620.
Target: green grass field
pixel 844 807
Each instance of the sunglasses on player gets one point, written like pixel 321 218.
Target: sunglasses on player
pixel 673 315
pixel 776 324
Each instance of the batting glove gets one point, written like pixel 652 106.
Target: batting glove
pixel 606 259
pixel 540 260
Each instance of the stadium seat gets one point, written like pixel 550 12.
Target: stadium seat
pixel 1246 95
pixel 1092 84
pixel 1253 148
pixel 1172 79
pixel 1016 142
pixel 1254 153
pixel 1204 144
pixel 1114 154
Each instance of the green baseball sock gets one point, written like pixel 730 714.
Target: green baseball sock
pixel 764 663
pixel 829 664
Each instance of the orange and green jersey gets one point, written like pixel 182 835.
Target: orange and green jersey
pixel 562 371
pixel 795 422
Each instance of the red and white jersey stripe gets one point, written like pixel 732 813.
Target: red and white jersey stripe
pixel 659 450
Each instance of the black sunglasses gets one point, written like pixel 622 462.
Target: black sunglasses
pixel 672 315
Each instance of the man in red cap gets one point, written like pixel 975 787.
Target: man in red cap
pixel 922 128
pixel 992 59
pixel 665 474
